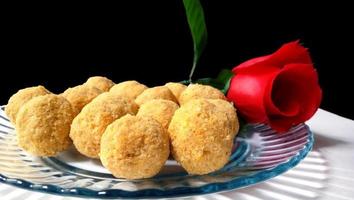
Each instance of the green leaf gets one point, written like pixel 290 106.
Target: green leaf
pixel 210 81
pixel 185 82
pixel 224 78
pixel 221 82
pixel 224 75
pixel 196 21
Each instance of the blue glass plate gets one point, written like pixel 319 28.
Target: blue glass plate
pixel 259 154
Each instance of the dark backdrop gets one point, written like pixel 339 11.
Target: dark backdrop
pixel 62 45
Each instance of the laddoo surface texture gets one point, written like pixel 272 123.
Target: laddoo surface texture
pixel 176 88
pixel 89 125
pixel 134 147
pixel 81 95
pixel 198 91
pixel 129 89
pixel 100 82
pixel 201 137
pixel 43 125
pixel 20 98
pixel 230 111
pixel 159 92
pixel 160 109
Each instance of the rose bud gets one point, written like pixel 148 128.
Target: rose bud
pixel 280 89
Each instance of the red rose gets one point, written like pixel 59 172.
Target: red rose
pixel 280 89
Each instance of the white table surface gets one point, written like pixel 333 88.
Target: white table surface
pixel 326 173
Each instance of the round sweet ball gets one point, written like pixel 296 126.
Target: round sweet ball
pixel 100 82
pixel 81 95
pixel 201 139
pixel 129 89
pixel 43 125
pixel 20 98
pixel 89 125
pixel 160 109
pixel 134 147
pixel 230 111
pixel 198 91
pixel 159 92
pixel 176 88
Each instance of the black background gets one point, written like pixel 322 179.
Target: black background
pixel 59 45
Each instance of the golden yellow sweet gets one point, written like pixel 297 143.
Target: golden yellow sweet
pixel 129 89
pixel 230 111
pixel 89 125
pixel 198 91
pixel 100 82
pixel 43 125
pixel 20 98
pixel 134 147
pixel 159 92
pixel 176 88
pixel 81 95
pixel 201 136
pixel 160 109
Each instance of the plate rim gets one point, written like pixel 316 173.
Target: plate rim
pixel 169 193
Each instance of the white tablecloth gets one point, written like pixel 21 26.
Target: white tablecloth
pixel 326 173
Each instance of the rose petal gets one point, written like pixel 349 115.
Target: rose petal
pixel 291 52
pixel 305 83
pixel 294 88
pixel 250 62
pixel 280 89
pixel 247 90
pixel 280 97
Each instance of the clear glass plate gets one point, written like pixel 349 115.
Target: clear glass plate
pixel 259 154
